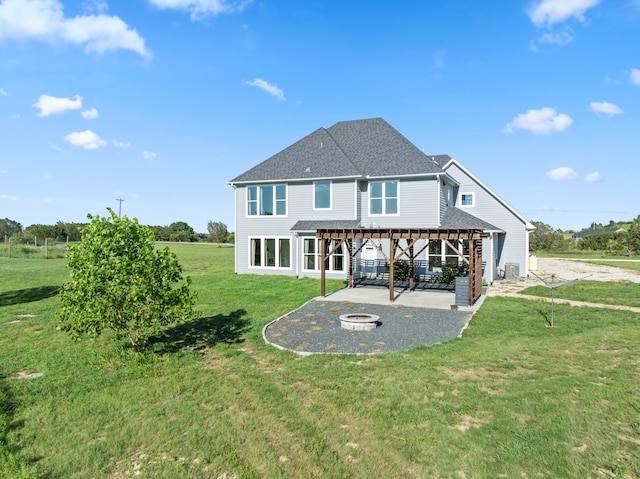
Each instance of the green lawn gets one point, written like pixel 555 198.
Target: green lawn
pixel 512 398
pixel 618 293
pixel 633 265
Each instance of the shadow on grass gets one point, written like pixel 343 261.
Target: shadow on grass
pixel 28 295
pixel 202 333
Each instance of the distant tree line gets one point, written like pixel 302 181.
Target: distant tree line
pixel 178 231
pixel 620 238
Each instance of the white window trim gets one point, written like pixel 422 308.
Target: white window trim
pixel 473 199
pixel 316 256
pixel 384 196
pixel 262 249
pixel 313 197
pixel 258 215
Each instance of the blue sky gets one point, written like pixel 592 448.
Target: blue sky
pixel 161 102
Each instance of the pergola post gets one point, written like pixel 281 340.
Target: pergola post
pixel 350 252
pixel 322 263
pixel 394 235
pixel 411 270
pixel 392 260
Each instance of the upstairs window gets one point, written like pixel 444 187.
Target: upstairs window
pixel 383 198
pixel 467 199
pixel 267 200
pixel 322 195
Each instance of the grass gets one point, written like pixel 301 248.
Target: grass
pixel 512 398
pixel 622 293
pixel 632 265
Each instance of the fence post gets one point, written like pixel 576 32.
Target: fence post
pixel 9 247
pixel 46 248
pixel 35 241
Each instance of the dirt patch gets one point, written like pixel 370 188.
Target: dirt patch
pixel 563 270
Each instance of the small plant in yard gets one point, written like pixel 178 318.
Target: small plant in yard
pixel 450 271
pixel 121 282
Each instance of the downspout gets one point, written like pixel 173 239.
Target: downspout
pixel 491 257
pixel 235 228
pixel 439 196
pixel 297 248
pixel 355 197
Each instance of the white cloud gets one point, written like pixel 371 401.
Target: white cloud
pixel 7 197
pixel 562 38
pixel 85 139
pixel 604 107
pixel 121 144
pixel 562 173
pixel 49 105
pixel 199 9
pixel 98 6
pixel 268 87
pixel 3 172
pixel 90 114
pixel 44 20
pixel 149 155
pixel 3 92
pixel 549 12
pixel 543 121
pixel 634 77
pixel 593 177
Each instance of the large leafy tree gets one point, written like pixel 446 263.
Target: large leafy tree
pixel 121 282
pixel 217 231
pixel 634 235
pixel 9 227
pixel 181 231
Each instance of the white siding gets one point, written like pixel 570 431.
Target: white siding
pixel 512 246
pixel 417 205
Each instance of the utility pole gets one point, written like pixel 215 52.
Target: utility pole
pixel 119 200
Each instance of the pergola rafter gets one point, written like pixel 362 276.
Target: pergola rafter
pixel 338 236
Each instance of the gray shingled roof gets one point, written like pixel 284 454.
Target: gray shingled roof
pixel 441 160
pixel 358 148
pixel 456 218
pixel 324 224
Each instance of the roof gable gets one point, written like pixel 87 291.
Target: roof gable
pixel 359 148
pixel 378 149
pixel 315 156
pixel 452 161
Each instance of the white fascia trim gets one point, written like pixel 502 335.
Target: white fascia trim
pixel 391 177
pixel 294 180
pixel 528 225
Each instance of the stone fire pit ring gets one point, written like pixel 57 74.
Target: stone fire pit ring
pixel 359 322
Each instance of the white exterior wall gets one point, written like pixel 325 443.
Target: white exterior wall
pixel 299 207
pixel 417 205
pixel 510 247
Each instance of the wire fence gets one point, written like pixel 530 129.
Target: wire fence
pixel 34 249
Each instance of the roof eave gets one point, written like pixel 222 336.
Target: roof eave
pixel 294 180
pixel 411 175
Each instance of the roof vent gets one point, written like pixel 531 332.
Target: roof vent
pixel 307 169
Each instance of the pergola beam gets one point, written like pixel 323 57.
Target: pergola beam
pixel 474 237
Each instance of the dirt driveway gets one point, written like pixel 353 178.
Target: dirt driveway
pixel 563 270
pixel 573 269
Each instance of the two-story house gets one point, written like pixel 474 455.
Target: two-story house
pixel 364 173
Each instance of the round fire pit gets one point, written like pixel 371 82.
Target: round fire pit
pixel 359 322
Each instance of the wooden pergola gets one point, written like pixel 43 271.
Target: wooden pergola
pixel 333 238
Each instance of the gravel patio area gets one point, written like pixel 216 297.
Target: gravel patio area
pixel 315 328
